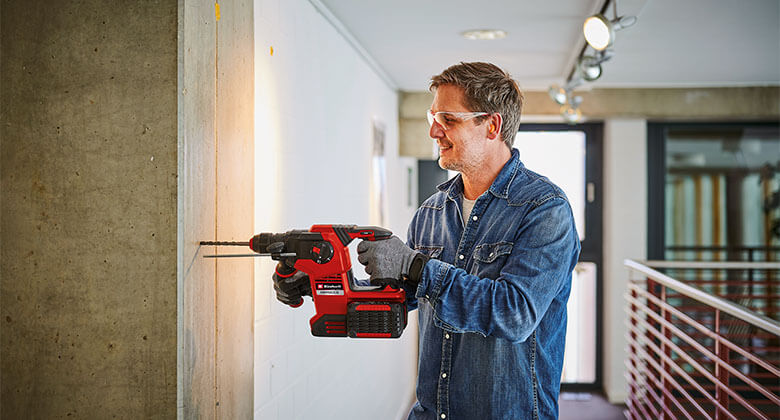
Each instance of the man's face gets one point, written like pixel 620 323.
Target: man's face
pixel 462 142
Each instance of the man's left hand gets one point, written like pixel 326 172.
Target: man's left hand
pixel 390 261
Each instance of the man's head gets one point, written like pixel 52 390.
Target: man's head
pixel 486 88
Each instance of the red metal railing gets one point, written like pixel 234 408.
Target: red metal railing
pixel 696 355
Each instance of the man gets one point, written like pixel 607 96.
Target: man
pixel 488 262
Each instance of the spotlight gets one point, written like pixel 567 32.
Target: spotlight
pixel 571 113
pixel 558 94
pixel 600 31
pixel 589 68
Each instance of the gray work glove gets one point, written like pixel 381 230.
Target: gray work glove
pixel 391 262
pixel 291 285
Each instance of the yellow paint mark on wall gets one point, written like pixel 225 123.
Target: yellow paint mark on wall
pixel 272 50
pixel 216 10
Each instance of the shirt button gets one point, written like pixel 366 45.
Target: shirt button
pixel 443 375
pixel 461 256
pixel 474 218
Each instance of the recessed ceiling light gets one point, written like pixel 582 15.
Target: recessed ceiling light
pixel 484 34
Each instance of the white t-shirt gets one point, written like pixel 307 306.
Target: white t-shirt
pixel 468 205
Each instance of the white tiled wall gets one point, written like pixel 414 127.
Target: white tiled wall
pixel 315 101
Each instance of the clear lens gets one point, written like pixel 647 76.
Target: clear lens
pixel 448 120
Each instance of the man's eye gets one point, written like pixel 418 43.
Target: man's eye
pixel 450 120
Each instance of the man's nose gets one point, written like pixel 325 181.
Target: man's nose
pixel 436 131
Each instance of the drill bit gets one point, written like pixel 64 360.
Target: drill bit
pixel 224 243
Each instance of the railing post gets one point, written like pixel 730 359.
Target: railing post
pixel 722 353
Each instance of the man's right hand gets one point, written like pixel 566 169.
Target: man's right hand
pixel 290 287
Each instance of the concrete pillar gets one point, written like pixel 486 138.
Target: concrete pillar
pixel 126 138
pixel 88 222
pixel 216 201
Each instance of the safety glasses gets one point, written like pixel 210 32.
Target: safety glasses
pixel 449 120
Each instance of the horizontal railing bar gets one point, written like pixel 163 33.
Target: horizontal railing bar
pixel 658 398
pixel 710 398
pixel 693 364
pixel 713 335
pixel 650 404
pixel 701 349
pixel 646 416
pixel 649 390
pixel 738 398
pixel 671 365
pixel 716 302
pixel 646 390
pixel 713 265
pixel 663 373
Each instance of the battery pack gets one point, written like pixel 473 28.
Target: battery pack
pixel 376 319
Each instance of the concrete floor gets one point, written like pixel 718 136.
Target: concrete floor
pixel 587 406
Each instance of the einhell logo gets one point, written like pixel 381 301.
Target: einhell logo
pixel 330 289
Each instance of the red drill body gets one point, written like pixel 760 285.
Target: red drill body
pixel 342 310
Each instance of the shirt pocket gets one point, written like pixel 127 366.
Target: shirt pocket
pixel 433 251
pixel 489 259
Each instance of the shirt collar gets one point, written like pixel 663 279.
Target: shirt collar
pixel 500 186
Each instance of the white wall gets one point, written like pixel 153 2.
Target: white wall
pixel 625 236
pixel 315 100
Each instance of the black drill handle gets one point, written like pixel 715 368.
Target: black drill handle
pixel 285 271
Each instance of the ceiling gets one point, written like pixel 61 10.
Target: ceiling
pixel 690 43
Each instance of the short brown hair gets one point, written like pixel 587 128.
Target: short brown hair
pixel 487 89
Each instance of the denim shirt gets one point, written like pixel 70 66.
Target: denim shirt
pixel 492 300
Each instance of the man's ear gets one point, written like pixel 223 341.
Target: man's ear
pixel 494 124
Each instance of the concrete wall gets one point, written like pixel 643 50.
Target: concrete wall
pixel 216 198
pixel 316 100
pixel 88 210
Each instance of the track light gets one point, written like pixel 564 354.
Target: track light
pixel 571 113
pixel 557 94
pixel 599 35
pixel 589 66
pixel 600 31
